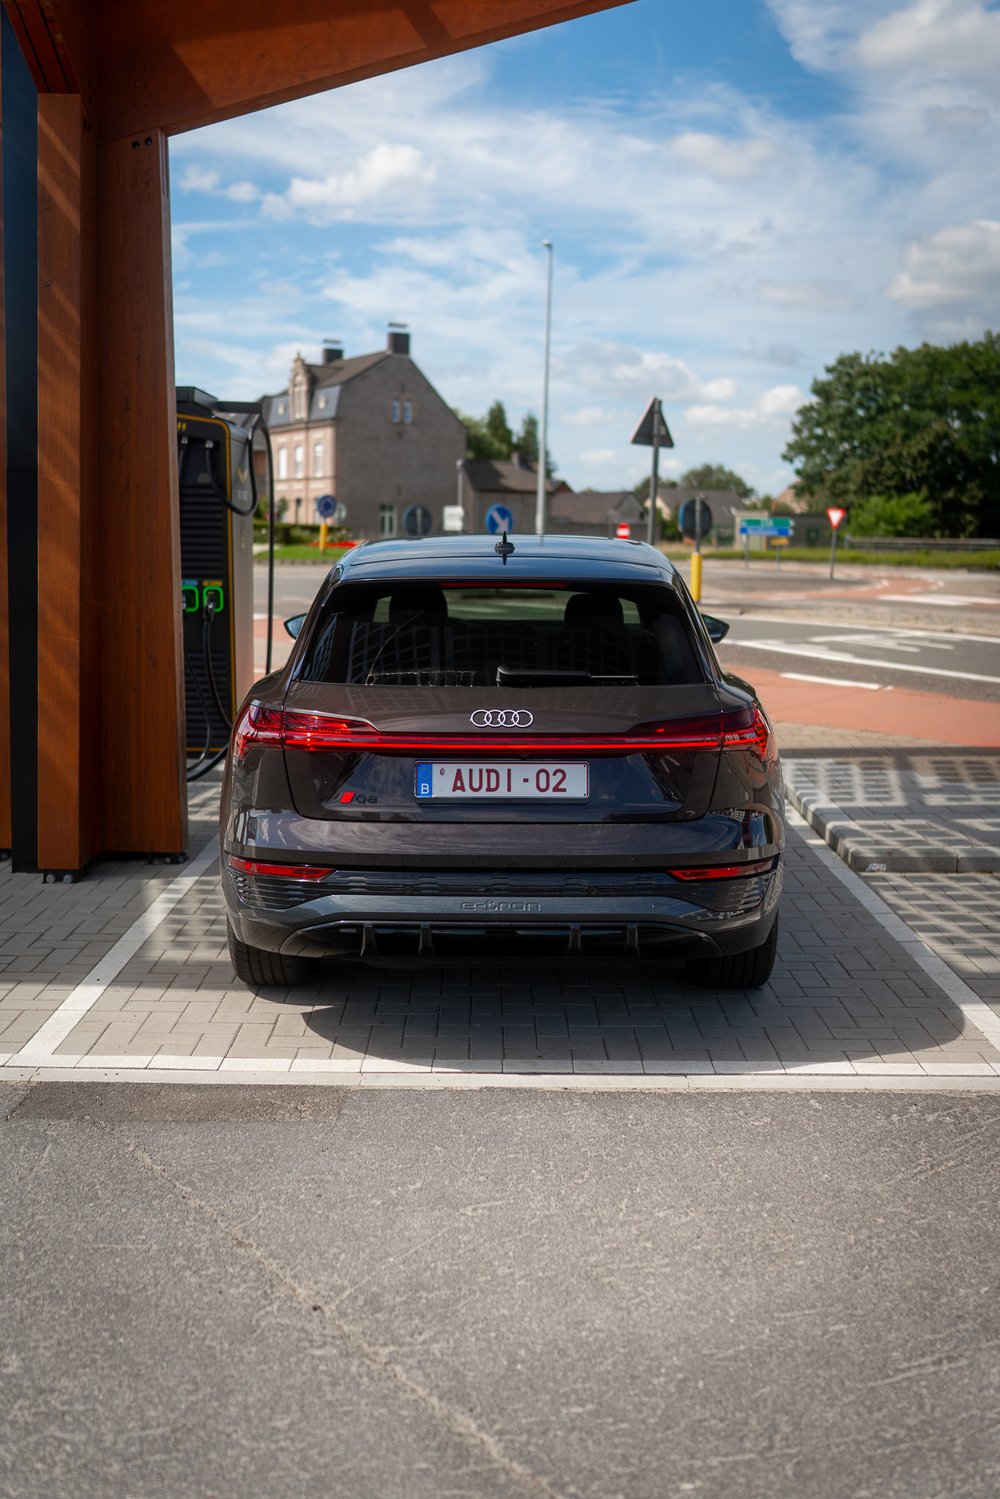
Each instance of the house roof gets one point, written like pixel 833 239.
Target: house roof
pixel 591 505
pixel 489 475
pixel 324 380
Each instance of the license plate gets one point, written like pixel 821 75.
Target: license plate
pixel 482 781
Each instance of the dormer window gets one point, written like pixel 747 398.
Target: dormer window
pixel 321 403
pixel 281 408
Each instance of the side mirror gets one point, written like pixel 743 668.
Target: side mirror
pixel 717 629
pixel 294 625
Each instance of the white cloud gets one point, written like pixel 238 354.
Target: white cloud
pixel 715 156
pixel 959 38
pixel 829 296
pixel 198 180
pixel 380 174
pixel 242 192
pixel 777 406
pixel 952 266
pixel 585 416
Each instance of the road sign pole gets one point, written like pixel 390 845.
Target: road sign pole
pixel 833 550
pixel 654 481
pixel 746 550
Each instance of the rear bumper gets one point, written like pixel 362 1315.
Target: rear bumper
pixel 691 921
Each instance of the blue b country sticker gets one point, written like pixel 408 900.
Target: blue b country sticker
pixel 424 787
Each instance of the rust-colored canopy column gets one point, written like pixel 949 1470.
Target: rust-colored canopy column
pixel 138 561
pixel 68 697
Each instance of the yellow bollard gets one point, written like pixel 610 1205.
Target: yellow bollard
pixel 324 532
pixel 696 577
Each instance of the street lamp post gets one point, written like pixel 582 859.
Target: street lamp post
pixel 543 435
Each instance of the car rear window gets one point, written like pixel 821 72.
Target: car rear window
pixel 421 634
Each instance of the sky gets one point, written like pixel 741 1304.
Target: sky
pixel 736 193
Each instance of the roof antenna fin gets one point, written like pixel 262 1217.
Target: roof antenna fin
pixel 504 548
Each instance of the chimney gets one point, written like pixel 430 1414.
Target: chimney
pixel 333 352
pixel 399 339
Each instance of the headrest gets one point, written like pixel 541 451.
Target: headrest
pixel 417 598
pixel 593 608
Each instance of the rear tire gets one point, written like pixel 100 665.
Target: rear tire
pixel 262 969
pixel 741 970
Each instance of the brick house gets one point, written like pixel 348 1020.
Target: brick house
pixel 370 430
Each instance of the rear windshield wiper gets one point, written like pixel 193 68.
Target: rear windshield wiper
pixel 515 676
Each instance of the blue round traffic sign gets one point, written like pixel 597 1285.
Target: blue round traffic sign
pixel 417 520
pixel 499 518
pixel 326 507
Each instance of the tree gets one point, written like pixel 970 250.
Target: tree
pixel 526 443
pixel 715 476
pixel 641 490
pixel 925 422
pixel 488 436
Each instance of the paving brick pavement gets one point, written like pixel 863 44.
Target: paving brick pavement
pixel 918 809
pixel 848 997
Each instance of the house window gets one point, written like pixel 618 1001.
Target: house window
pixel 300 462
pixel 317 460
pixel 407 411
pixel 387 520
pixel 395 411
pixel 281 408
pixel 282 463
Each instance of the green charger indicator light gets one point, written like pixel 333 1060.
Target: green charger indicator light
pixel 190 595
pixel 213 595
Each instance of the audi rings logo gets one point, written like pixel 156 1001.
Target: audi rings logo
pixel 502 718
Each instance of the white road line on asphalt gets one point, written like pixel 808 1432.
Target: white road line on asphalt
pixel 947 600
pixel 82 999
pixel 818 655
pixel 902 631
pixel 966 1000
pixel 802 676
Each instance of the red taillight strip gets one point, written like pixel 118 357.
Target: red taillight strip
pixel 723 871
pixel 286 871
pixel 294 729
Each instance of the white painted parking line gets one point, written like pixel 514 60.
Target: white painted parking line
pixel 888 1078
pixel 82 999
pixel 802 676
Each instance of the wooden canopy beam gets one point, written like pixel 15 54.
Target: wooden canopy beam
pixel 193 62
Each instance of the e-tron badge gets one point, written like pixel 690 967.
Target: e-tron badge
pixel 502 718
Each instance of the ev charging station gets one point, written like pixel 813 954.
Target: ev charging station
pixel 218 496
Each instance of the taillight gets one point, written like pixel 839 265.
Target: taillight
pixel 723 871
pixel 259 725
pixel 287 871
pixel 748 729
pixel 311 731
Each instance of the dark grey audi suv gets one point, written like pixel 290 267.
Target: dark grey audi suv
pixel 490 750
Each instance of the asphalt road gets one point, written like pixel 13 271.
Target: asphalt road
pixel 231 1293
pixel 957 665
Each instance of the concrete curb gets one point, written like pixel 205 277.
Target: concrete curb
pixel 868 854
